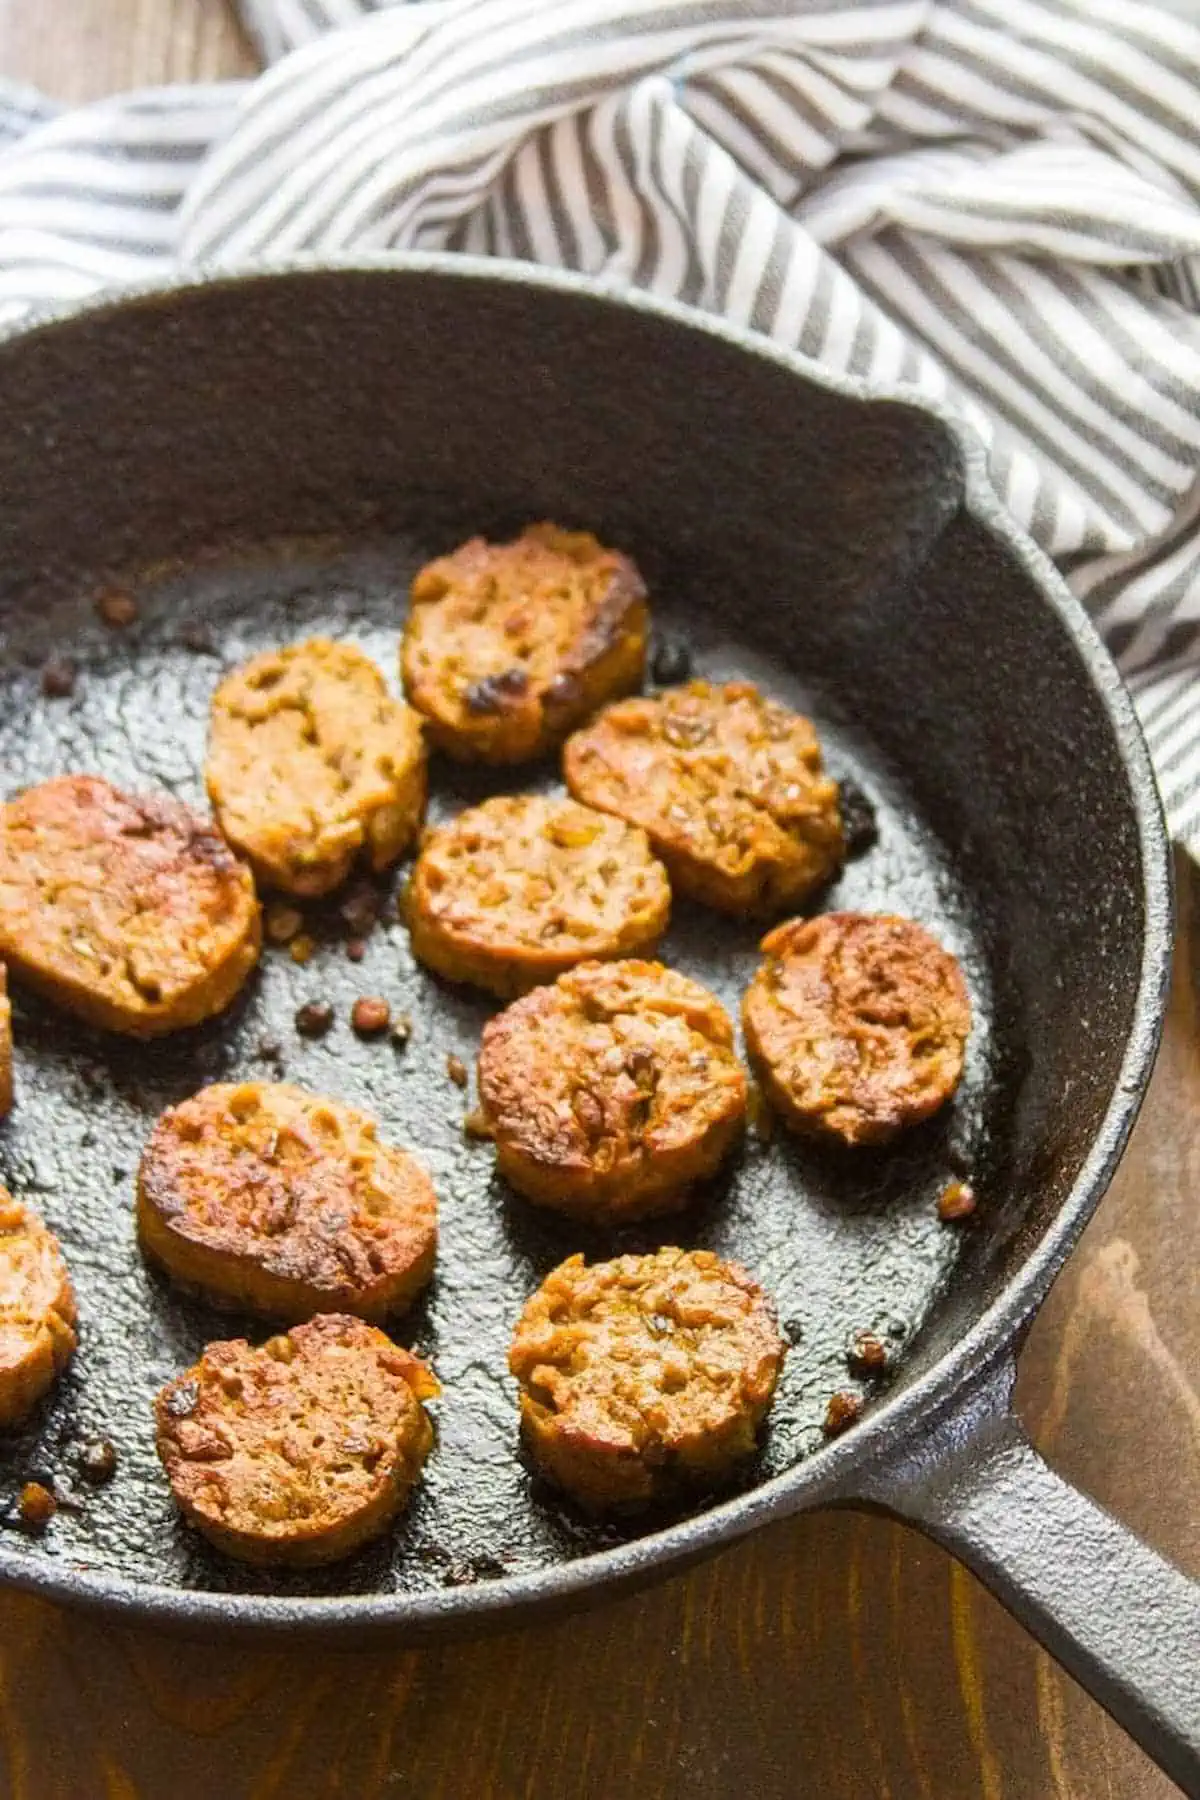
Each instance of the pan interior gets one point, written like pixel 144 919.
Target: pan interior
pixel 790 532
pixel 843 1244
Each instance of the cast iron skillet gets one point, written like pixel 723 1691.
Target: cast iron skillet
pixel 261 457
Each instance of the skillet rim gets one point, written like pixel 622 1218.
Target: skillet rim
pixel 890 1421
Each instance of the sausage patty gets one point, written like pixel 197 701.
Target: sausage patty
pixel 131 912
pixel 727 783
pixel 857 1024
pixel 645 1373
pixel 312 763
pixel 37 1310
pixel 611 1092
pixel 509 646
pixel 266 1197
pixel 6 1047
pixel 511 893
pixel 300 1451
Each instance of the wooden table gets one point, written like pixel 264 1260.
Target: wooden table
pixel 835 1657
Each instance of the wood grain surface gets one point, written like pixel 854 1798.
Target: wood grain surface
pixel 834 1657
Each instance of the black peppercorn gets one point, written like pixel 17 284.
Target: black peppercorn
pixel 314 1019
pixel 98 1462
pixel 671 663
pixel 860 827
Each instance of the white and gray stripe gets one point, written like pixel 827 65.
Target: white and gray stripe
pixel 91 198
pixel 997 201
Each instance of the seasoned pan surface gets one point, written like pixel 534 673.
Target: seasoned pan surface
pixel 843 1242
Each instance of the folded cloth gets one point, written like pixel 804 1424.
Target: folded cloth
pixel 993 201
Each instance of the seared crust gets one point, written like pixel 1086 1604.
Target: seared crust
pixel 511 893
pixel 131 912
pixel 509 646
pixel 611 1092
pixel 857 1024
pixel 300 1451
pixel 729 786
pixel 6 1048
pixel 286 1203
pixel 37 1310
pixel 312 763
pixel 644 1374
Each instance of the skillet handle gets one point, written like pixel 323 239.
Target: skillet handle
pixel 1118 1617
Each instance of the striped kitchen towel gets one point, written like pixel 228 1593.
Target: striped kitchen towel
pixel 994 201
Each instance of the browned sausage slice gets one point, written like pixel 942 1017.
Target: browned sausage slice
pixel 37 1310
pixel 610 1093
pixel 131 912
pixel 857 1024
pixel 644 1374
pixel 729 787
pixel 300 1451
pixel 312 764
pixel 512 892
pixel 286 1203
pixel 509 646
